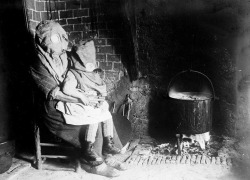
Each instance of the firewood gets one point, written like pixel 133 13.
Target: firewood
pixel 163 160
pixel 217 160
pixel 208 161
pixel 132 160
pixel 198 159
pixel 203 159
pixel 145 162
pixel 178 159
pixel 229 161
pixel 183 160
pixel 168 159
pixel 137 160
pixel 159 160
pixel 154 160
pixel 140 161
pixel 150 160
pixel 173 159
pixel 193 159
pixel 213 160
pixel 224 161
pixel 188 160
pixel 129 160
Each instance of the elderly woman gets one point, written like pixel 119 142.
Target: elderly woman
pixel 48 72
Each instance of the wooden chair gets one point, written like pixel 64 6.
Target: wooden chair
pixel 54 143
pixel 53 148
pixel 47 145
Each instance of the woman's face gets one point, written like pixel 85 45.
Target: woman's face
pixel 56 42
pixel 59 41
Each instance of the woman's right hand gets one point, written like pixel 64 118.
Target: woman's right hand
pixel 85 100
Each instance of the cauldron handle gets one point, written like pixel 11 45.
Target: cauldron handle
pixel 190 70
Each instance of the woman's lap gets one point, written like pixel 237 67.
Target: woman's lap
pixel 73 134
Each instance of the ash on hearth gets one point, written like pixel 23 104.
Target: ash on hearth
pixel 220 151
pixel 217 146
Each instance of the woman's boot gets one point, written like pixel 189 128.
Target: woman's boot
pixel 90 156
pixel 102 169
pixel 112 162
pixel 108 146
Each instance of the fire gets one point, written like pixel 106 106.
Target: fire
pixel 202 139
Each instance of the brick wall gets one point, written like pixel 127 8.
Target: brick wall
pixel 80 18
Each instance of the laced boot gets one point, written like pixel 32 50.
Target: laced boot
pixel 108 146
pixel 90 156
pixel 102 170
pixel 112 162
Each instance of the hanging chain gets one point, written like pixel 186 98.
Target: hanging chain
pixel 56 8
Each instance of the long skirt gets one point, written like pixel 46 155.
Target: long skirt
pixel 73 134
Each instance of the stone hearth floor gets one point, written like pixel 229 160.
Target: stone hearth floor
pixel 148 159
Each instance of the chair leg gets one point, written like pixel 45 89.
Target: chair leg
pixel 78 166
pixel 38 148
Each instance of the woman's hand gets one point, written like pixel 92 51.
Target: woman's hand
pixel 85 100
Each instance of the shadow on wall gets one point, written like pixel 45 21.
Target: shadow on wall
pixel 17 54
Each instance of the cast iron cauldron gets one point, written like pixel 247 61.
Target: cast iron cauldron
pixel 191 96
